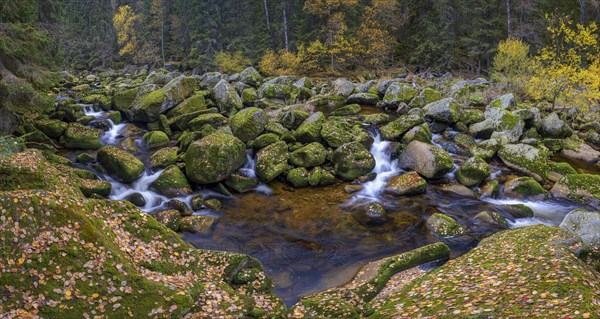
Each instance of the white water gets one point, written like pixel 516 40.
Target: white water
pixel 385 168
pixel 141 185
pixel 111 136
pixel 249 170
pixel 544 212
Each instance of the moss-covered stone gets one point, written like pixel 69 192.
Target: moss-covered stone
pixel 265 140
pixel 249 96
pixel 85 158
pixel 298 177
pixel 473 171
pixel 213 119
pixel 213 203
pixel 418 133
pixel 79 136
pixel 198 224
pixel 192 104
pixel 445 110
pixel 214 157
pixel 310 130
pixel 248 123
pixel 313 154
pixel 583 188
pixel 292 119
pixel 364 98
pixel 485 149
pixel 163 158
pixel 271 161
pixel 122 99
pixel 181 122
pixel 146 108
pixel 99 100
pixel 172 183
pixel 336 133
pixel 241 183
pixel 410 183
pixel 397 93
pixel 394 130
pixel 176 91
pixel 492 218
pixel 557 170
pixel 170 218
pixel 91 187
pixel 444 226
pixel 227 98
pixel 524 187
pixel 156 139
pixel 120 164
pixel 428 160
pixel 352 160
pixel 52 128
pixel 525 159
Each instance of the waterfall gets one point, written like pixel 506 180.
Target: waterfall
pixel 385 168
pixel 110 136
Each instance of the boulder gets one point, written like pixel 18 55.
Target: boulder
pixel 192 104
pixel 427 96
pixel 473 171
pixel 227 98
pixel 352 160
pixel 200 224
pixel 428 160
pixel 248 123
pixel 156 139
pixel 310 130
pixel 410 183
pixel 172 183
pixel 418 133
pixel 397 93
pixel 241 183
pixel 170 218
pixel 371 214
pixel 213 158
pixel 393 131
pixel 525 159
pixel 444 226
pixel 337 133
pixel 583 188
pixel 553 127
pixel 342 87
pixel 271 161
pixel 209 80
pixel 320 177
pixel 52 128
pixel 250 76
pixel 585 224
pixel 120 164
pixel 524 187
pixel 346 110
pixel 249 96
pixel 164 157
pixel 298 177
pixel 265 139
pixel 147 108
pixel 313 154
pixel 176 91
pixel 582 152
pixel 364 98
pixel 445 110
pixel 292 119
pixel 492 218
pixel 483 129
pixel 213 119
pixel 486 149
pixel 81 137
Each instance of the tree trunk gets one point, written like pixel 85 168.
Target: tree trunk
pixel 285 27
pixel 267 15
pixel 583 11
pixel 508 17
pixel 162 41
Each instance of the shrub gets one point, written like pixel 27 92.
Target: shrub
pixel 511 63
pixel 231 62
pixel 280 63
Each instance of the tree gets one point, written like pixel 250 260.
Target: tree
pixel 375 32
pixel 124 22
pixel 511 64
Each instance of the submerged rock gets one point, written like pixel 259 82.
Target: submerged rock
pixel 444 226
pixel 371 214
pixel 213 158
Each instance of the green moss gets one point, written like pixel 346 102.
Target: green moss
pixel 120 164
pixel 298 177
pixel 172 183
pixel 156 139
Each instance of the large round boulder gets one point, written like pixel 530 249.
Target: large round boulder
pixel 248 123
pixel 310 129
pixel 585 224
pixel 213 158
pixel 172 183
pixel 271 161
pixel 473 171
pixel 525 159
pixel 313 154
pixel 352 160
pixel 120 164
pixel 428 160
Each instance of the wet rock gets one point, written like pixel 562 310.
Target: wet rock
pixel 552 126
pixel 524 187
pixel 169 218
pixel 271 161
pixel 486 149
pixel 445 110
pixel 298 177
pixel 518 210
pixel 136 199
pixel 371 214
pixel 364 98
pixel 85 158
pixel 492 218
pixel 582 152
pixel 248 124
pixel 525 159
pixel 585 224
pixel 120 164
pixel 320 177
pixel 156 139
pixel 241 183
pixel 473 171
pixel 347 110
pixel 52 128
pixel 213 204
pixel 490 189
pixel 213 119
pixel 428 160
pixel 351 189
pixel 394 130
pixel 418 133
pixel 227 98
pixel 213 158
pixel 583 188
pixel 406 184
pixel 337 133
pixel 444 226
pixel 397 93
pixel 198 224
pixel 81 137
pixel 310 129
pixel 172 183
pixel 196 202
pixel 313 154
pixel 164 157
pixel 352 160
pixel 458 190
pixel 180 206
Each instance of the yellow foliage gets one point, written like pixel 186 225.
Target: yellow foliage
pixel 280 63
pixel 324 7
pixel 511 64
pixel 567 70
pixel 375 42
pixel 231 62
pixel 124 22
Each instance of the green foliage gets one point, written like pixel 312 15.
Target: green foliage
pixel 231 62
pixel 10 145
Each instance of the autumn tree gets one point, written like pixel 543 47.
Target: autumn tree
pixel 124 22
pixel 375 34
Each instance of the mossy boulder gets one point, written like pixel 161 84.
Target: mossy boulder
pixel 473 171
pixel 241 183
pixel 427 96
pixel 81 137
pixel 418 133
pixel 337 133
pixel 248 123
pixel 292 119
pixel 250 76
pixel 492 218
pixel 156 139
pixel 310 130
pixel 298 177
pixel 364 98
pixel 585 224
pixel 146 108
pixel 445 110
pixel 265 139
pixel 52 128
pixel 176 91
pixel 352 160
pixel 410 183
pixel 397 93
pixel 271 161
pixel 313 154
pixel 524 187
pixel 99 100
pixel 123 99
pixel 120 164
pixel 553 126
pixel 192 104
pixel 249 96
pixel 163 158
pixel 428 160
pixel 346 110
pixel 485 149
pixel 227 98
pixel 213 119
pixel 444 226
pixel 583 188
pixel 319 176
pixel 556 170
pixel 394 130
pixel 170 218
pixel 172 183
pixel 525 159
pixel 213 158
pixel 377 119
pixel 371 214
